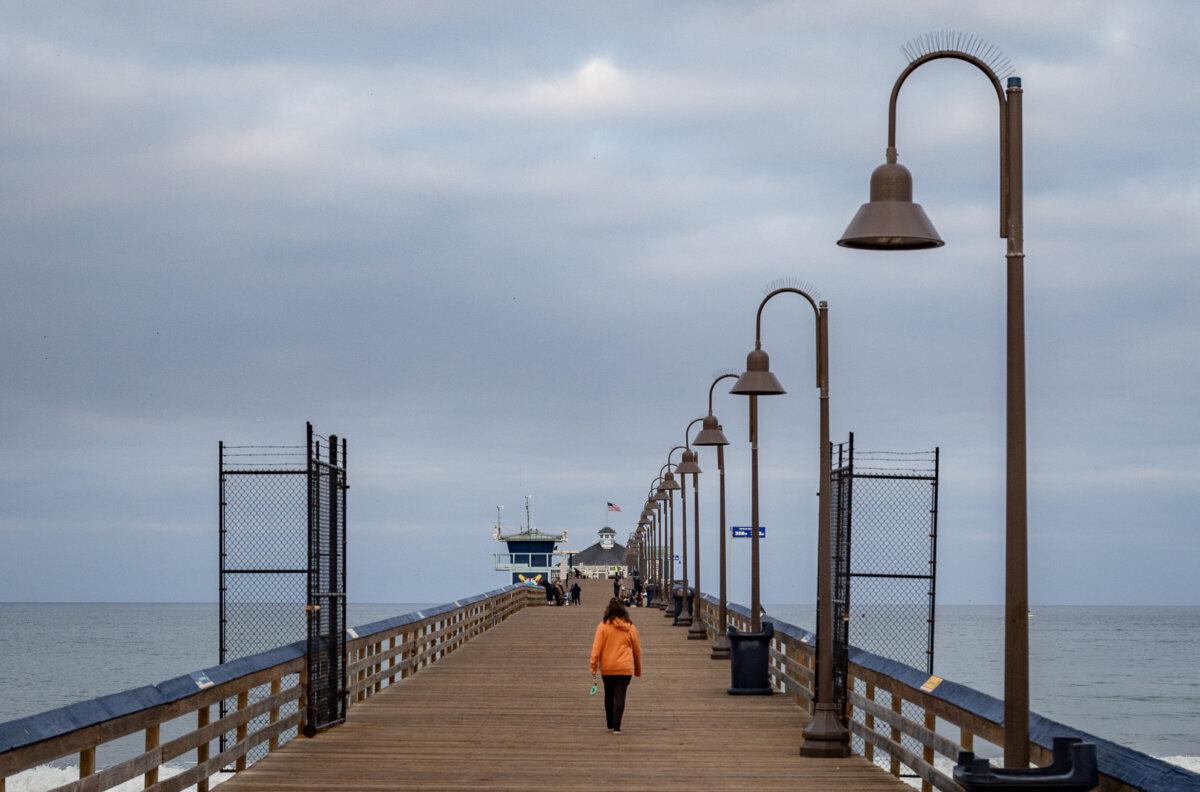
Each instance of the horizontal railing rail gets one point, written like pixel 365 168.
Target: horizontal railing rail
pixel 901 715
pixel 270 695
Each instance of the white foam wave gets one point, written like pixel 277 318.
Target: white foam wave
pixel 1186 762
pixel 45 777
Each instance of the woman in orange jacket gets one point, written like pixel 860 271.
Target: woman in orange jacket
pixel 617 654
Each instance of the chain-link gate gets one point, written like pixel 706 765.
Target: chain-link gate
pixel 282 555
pixel 884 518
pixel 326 587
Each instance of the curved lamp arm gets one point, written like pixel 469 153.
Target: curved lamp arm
pixel 820 314
pixel 687 431
pixel 995 81
pixel 672 451
pixel 714 384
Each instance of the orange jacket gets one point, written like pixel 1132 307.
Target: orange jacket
pixel 616 649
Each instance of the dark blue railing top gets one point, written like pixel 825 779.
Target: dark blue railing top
pixel 64 720
pixel 1127 765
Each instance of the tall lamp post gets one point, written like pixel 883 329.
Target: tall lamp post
pixel 653 509
pixel 658 496
pixel 891 221
pixel 648 528
pixel 667 490
pixel 689 464
pixel 710 434
pixel 824 736
pixel 683 468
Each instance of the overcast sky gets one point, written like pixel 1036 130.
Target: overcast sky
pixel 504 249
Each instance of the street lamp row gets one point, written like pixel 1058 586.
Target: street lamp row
pixel 890 220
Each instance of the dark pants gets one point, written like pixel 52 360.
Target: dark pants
pixel 615 686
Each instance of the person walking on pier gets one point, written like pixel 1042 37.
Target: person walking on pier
pixel 616 588
pixel 575 594
pixel 617 655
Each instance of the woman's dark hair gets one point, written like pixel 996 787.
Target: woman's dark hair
pixel 615 610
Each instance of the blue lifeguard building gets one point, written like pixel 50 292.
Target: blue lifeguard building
pixel 531 553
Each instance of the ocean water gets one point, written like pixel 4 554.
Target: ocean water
pixel 54 654
pixel 1129 674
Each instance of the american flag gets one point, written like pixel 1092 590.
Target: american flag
pixel 612 506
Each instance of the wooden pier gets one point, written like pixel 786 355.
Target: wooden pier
pixel 510 710
pixel 490 692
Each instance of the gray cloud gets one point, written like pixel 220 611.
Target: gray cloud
pixel 503 249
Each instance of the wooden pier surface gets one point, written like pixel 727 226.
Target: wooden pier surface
pixel 510 710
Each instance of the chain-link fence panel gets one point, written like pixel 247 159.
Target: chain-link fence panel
pixel 884 519
pixel 277 570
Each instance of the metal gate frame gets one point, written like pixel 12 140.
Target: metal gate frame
pixel 881 466
pixel 282 551
pixel 326 607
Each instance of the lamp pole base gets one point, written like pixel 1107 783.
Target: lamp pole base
pixel 720 648
pixel 697 632
pixel 825 736
pixel 684 621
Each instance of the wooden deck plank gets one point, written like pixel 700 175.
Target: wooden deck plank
pixel 509 711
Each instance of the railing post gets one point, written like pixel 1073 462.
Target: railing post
pixel 202 749
pixel 406 654
pixel 151 777
pixel 927 754
pixel 898 709
pixel 359 656
pixel 243 701
pixel 303 702
pixel 273 743
pixel 869 723
pixel 392 661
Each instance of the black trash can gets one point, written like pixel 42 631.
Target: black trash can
pixel 1073 768
pixel 749 654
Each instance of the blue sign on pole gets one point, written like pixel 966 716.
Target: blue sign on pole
pixel 743 531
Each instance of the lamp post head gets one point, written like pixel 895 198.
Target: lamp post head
pixel 687 464
pixel 757 379
pixel 669 483
pixel 890 220
pixel 661 494
pixel 710 433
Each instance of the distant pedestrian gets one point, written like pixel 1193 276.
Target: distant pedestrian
pixel 575 594
pixel 616 588
pixel 549 591
pixel 617 655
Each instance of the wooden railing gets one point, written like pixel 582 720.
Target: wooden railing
pixel 269 693
pixel 903 719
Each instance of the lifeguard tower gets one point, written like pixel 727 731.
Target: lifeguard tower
pixel 532 554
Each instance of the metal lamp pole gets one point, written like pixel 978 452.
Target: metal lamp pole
pixel 659 497
pixel 682 468
pixel 688 464
pixel 824 736
pixel 710 434
pixel 891 221
pixel 668 487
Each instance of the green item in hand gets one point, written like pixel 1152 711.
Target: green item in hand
pixel 595 687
